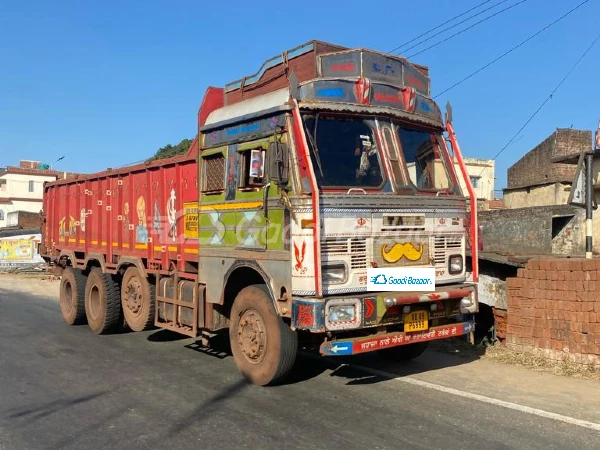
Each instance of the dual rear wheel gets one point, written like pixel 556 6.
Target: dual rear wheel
pixel 104 303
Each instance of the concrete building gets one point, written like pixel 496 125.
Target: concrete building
pixel 541 177
pixel 21 188
pixel 481 173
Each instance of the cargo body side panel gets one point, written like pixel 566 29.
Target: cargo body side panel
pixel 136 212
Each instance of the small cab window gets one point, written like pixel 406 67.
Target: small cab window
pixel 1 214
pixel 2 185
pixel 213 173
pixel 252 168
pixel 31 186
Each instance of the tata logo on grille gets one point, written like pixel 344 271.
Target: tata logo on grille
pixel 401 250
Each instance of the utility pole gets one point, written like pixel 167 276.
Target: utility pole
pixel 589 201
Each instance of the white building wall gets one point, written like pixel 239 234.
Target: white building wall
pixel 482 174
pixel 18 187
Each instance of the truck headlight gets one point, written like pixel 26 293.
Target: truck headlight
pixel 455 264
pixel 335 273
pixel 342 314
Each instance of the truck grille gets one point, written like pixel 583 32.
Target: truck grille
pixel 446 245
pixel 356 248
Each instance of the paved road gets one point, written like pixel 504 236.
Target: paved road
pixel 65 388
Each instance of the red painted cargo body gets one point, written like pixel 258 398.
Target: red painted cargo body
pixel 135 211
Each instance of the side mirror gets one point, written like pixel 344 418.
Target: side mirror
pixel 448 113
pixel 279 162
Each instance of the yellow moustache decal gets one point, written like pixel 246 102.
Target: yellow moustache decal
pixel 398 251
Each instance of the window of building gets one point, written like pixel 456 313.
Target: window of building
pixel 1 214
pixel 31 186
pixel 2 185
pixel 475 182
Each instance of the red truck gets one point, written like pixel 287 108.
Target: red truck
pixel 309 183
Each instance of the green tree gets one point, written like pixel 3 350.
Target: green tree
pixel 172 150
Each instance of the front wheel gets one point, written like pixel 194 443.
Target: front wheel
pixel 404 352
pixel 264 347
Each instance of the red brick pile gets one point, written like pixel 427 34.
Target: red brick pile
pixel 554 306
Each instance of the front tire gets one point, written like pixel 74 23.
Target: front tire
pixel 137 300
pixel 102 302
pixel 264 347
pixel 404 352
pixel 72 296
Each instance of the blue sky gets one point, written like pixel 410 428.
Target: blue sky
pixel 106 83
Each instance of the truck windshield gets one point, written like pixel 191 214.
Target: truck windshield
pixel 344 151
pixel 426 162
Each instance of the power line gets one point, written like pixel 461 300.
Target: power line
pixel 440 25
pixel 459 23
pixel 512 49
pixel 467 29
pixel 550 96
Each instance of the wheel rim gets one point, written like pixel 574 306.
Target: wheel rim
pixel 67 299
pixel 133 296
pixel 95 302
pixel 252 336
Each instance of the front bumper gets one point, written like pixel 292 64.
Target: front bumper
pixel 363 344
pixel 376 309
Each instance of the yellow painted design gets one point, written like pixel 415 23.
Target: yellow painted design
pixel 141 245
pixel 125 245
pixel 158 248
pixel 94 242
pixel 115 244
pixel 399 251
pixel 190 220
pixel 82 241
pixel 72 241
pixel 231 206
pixel 103 244
pixel 172 248
pixel 190 250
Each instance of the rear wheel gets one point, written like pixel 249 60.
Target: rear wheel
pixel 102 303
pixel 404 352
pixel 72 296
pixel 137 300
pixel 264 347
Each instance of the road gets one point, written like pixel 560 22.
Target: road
pixel 64 388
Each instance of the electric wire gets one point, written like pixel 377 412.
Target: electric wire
pixel 440 25
pixel 554 22
pixel 467 29
pixel 463 21
pixel 549 97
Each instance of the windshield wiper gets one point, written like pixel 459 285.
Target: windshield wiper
pixel 312 138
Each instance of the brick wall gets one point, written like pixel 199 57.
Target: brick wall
pixel 536 166
pixel 554 307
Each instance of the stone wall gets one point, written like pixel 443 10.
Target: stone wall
pixel 554 308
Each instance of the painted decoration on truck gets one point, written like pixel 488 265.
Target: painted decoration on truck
pixel 402 250
pixel 141 231
pixel 172 215
pixel 126 220
pixel 258 127
pixel 190 220
pixel 82 219
pixel 66 228
pixel 299 254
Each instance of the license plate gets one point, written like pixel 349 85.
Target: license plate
pixel 416 321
